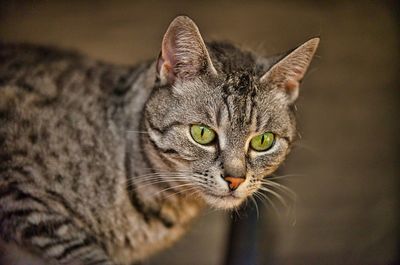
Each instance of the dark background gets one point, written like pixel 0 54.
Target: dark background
pixel 346 165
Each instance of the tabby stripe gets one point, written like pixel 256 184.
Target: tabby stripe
pixel 258 121
pixel 5 115
pixel 18 152
pixel 47 246
pixel 21 195
pixel 2 137
pixel 17 214
pixel 16 169
pixel 44 228
pixel 7 190
pixel 69 250
pixel 153 127
pixel 253 105
pixel 219 117
pixel 125 82
pixel 25 86
pixel 146 212
pixel 164 150
pixel 161 130
pixel 65 76
pixel 171 159
pixel 60 199
pixel 225 99
pixel 159 155
pixel 209 117
pixel 159 152
pixel 136 202
pixel 133 197
pixel 129 151
pixel 99 262
pixel 287 139
pixel 5 157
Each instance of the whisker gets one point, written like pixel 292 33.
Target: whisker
pixel 153 182
pixel 279 197
pixel 164 172
pixel 255 204
pixel 195 185
pixel 289 192
pixel 156 176
pixel 182 191
pixel 150 176
pixel 159 177
pixel 281 187
pixel 161 181
pixel 237 212
pixel 262 196
pixel 274 176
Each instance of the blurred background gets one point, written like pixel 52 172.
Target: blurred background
pixel 345 168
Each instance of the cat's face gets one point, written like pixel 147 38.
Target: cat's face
pixel 221 129
pixel 229 119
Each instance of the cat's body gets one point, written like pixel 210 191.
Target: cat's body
pixel 67 122
pixel 83 143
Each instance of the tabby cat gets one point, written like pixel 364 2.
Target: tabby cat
pixel 106 164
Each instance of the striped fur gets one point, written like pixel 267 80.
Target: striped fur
pixel 96 162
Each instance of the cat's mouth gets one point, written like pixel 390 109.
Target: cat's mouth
pixel 223 201
pixel 230 195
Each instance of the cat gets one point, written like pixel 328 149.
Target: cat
pixel 106 164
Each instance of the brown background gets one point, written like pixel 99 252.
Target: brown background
pixel 347 162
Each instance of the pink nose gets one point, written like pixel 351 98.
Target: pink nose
pixel 234 182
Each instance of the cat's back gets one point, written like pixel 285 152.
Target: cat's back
pixel 54 116
pixel 39 76
pixel 42 92
pixel 34 79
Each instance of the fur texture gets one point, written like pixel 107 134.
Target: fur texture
pixel 97 164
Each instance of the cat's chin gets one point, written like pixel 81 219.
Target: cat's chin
pixel 223 202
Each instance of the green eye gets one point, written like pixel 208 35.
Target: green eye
pixel 202 134
pixel 263 142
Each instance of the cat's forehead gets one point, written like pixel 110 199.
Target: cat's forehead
pixel 227 58
pixel 238 82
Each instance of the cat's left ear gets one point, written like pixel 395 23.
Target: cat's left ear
pixel 288 72
pixel 184 55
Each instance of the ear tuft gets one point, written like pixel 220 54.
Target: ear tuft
pixel 290 70
pixel 183 52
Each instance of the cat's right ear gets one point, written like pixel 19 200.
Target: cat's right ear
pixel 183 53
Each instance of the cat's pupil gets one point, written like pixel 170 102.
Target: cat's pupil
pixel 262 139
pixel 202 132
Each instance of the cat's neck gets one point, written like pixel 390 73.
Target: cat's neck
pixel 155 200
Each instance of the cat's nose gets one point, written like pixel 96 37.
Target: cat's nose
pixel 233 182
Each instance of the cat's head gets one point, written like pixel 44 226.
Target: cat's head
pixel 220 117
